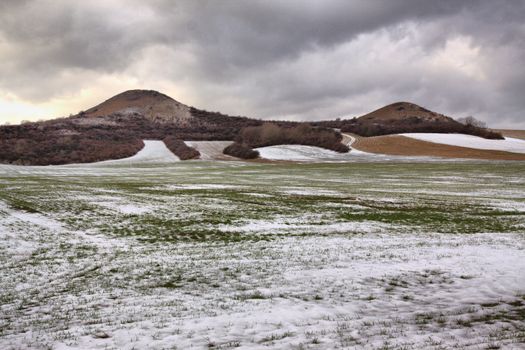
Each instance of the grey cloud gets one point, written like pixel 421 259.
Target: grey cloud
pixel 231 35
pixel 309 59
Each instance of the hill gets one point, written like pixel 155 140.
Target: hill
pixel 151 104
pixel 403 111
pixel 405 117
pixel 117 127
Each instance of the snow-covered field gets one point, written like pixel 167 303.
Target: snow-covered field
pixel 227 255
pixel 508 145
pixel 299 153
pixel 210 150
pixel 302 153
pixel 154 151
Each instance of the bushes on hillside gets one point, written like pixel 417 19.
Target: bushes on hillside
pixel 270 134
pixel 409 124
pixel 470 120
pixel 66 150
pixel 81 139
pixel 240 151
pixel 416 125
pixel 180 149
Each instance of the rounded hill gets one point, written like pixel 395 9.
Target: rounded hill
pixel 404 110
pixel 151 104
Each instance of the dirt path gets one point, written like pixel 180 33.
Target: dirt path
pixel 405 146
pixel 348 139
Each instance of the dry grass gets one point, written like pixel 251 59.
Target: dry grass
pixel 518 134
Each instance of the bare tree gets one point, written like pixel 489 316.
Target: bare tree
pixel 471 121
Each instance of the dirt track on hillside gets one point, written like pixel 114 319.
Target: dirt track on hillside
pixel 404 146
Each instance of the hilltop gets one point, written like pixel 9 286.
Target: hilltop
pixel 403 111
pixel 151 104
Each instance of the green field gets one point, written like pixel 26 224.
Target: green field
pixel 251 255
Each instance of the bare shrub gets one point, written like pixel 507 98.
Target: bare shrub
pixel 180 149
pixel 471 121
pixel 241 151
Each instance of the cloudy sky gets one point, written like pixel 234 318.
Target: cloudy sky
pixel 290 59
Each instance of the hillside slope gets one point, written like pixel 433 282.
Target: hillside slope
pixel 398 145
pixel 406 117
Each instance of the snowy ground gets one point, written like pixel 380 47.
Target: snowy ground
pixel 508 145
pixel 154 151
pixel 300 153
pixel 263 256
pixel 210 150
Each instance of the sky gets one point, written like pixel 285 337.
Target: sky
pixel 279 59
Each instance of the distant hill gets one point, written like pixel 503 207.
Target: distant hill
pixel 116 127
pixel 403 111
pixel 406 117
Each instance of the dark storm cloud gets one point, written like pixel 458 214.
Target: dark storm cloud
pixel 255 33
pixel 296 59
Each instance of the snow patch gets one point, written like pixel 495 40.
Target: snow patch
pixel 461 140
pixel 197 187
pixel 154 151
pixel 300 153
pixel 289 225
pixel 210 150
pixel 129 209
pixel 310 192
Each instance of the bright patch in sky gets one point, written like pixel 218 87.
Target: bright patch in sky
pixel 459 54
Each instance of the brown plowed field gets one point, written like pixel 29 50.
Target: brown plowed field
pixel 405 146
